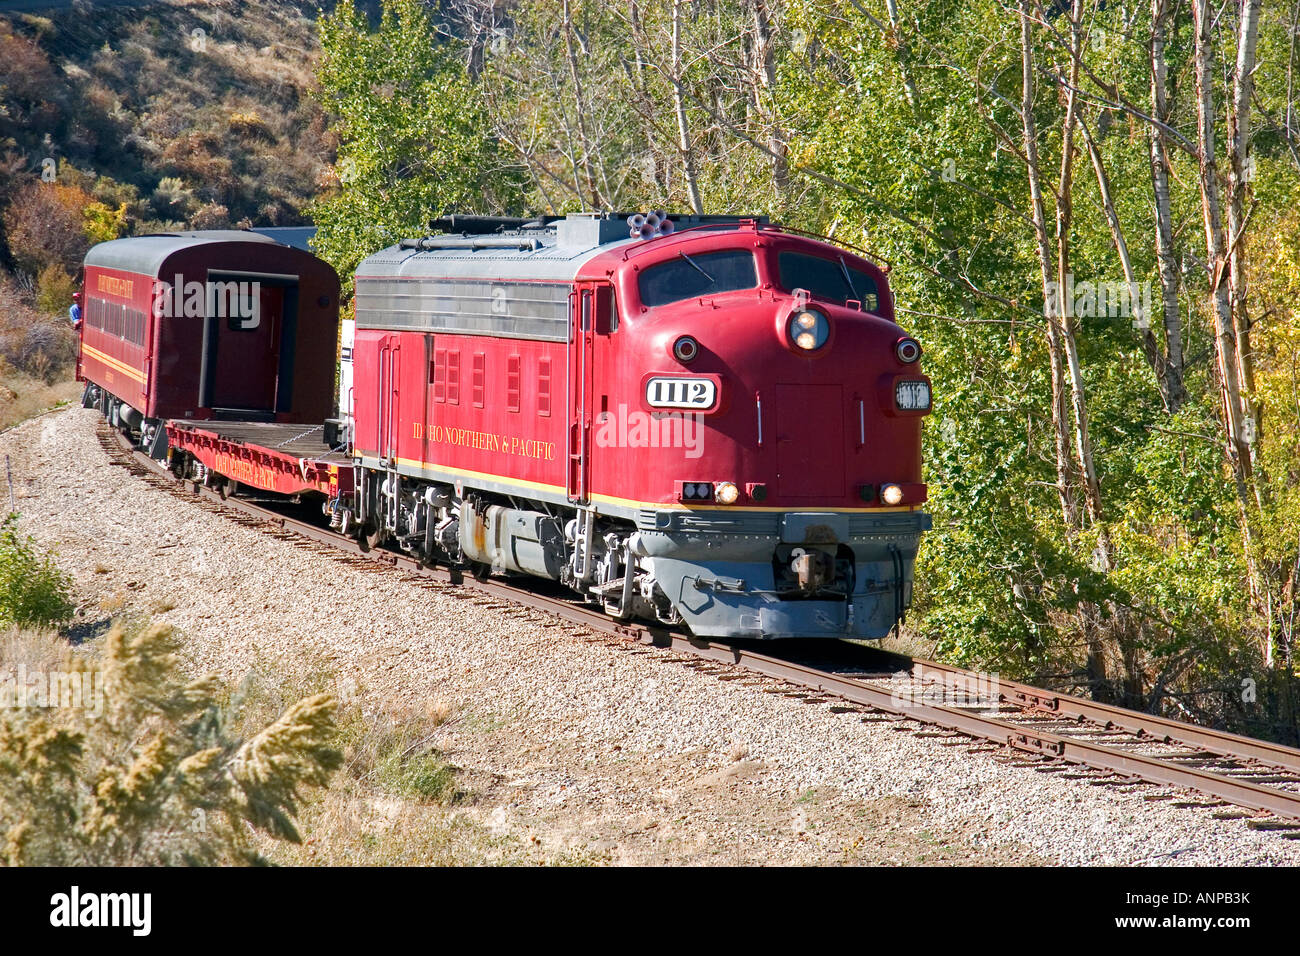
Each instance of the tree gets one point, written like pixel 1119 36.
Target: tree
pixel 46 225
pixel 414 138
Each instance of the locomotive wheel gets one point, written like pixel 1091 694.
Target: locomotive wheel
pixel 481 572
pixel 369 536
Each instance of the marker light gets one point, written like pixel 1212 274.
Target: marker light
pixel 809 329
pixel 907 350
pixel 686 348
pixel 696 491
pixel 891 494
pixel 726 493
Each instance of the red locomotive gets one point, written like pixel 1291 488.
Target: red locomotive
pixel 204 325
pixel 712 421
pixel 720 426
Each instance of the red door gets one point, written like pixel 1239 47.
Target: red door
pixel 249 317
pixel 582 338
pixel 810 441
pixel 387 408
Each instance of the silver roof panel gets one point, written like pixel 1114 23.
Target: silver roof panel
pixel 146 254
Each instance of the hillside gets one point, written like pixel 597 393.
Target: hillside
pixel 118 120
pixel 188 112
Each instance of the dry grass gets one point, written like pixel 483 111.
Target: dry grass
pixel 114 603
pixel 396 800
pixel 22 397
pixel 36 649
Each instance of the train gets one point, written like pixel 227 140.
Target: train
pixel 709 422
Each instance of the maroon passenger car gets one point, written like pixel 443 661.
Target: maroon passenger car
pixel 207 325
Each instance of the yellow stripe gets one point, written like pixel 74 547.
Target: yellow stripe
pixel 675 506
pixel 113 363
pixel 631 503
pixel 485 476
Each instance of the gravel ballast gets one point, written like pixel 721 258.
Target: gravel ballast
pixel 567 740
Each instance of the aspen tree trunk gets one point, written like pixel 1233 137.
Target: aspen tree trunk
pixel 1225 333
pixel 1158 360
pixel 1096 664
pixel 1064 215
pixel 1216 248
pixel 679 107
pixel 1051 296
pixel 1173 391
pixel 580 106
pixel 1238 179
pixel 764 85
pixel 1238 182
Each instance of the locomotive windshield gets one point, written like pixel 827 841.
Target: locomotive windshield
pixel 708 273
pixel 832 279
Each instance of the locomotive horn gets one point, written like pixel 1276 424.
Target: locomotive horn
pixel 666 227
pixel 647 231
pixel 636 221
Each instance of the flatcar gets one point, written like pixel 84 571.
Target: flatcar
pixel 193 326
pixel 715 422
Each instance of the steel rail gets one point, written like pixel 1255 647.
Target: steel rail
pixel 859 690
pixel 1160 729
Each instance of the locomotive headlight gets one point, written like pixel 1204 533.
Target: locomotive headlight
pixel 912 396
pixel 809 329
pixel 726 493
pixel 891 494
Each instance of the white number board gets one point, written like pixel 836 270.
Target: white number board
pixel 698 393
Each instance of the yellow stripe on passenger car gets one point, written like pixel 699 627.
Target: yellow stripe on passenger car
pixel 115 364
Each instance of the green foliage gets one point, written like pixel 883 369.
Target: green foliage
pixel 54 290
pixel 425 775
pixel 33 591
pixel 102 222
pixel 414 137
pixel 143 768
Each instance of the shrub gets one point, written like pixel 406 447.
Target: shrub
pixel 54 290
pixel 38 345
pixel 211 216
pixel 102 222
pixel 33 591
pixel 45 225
pixel 150 773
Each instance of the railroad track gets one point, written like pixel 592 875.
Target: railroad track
pixel 1236 776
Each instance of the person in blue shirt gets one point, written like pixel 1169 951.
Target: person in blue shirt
pixel 74 311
